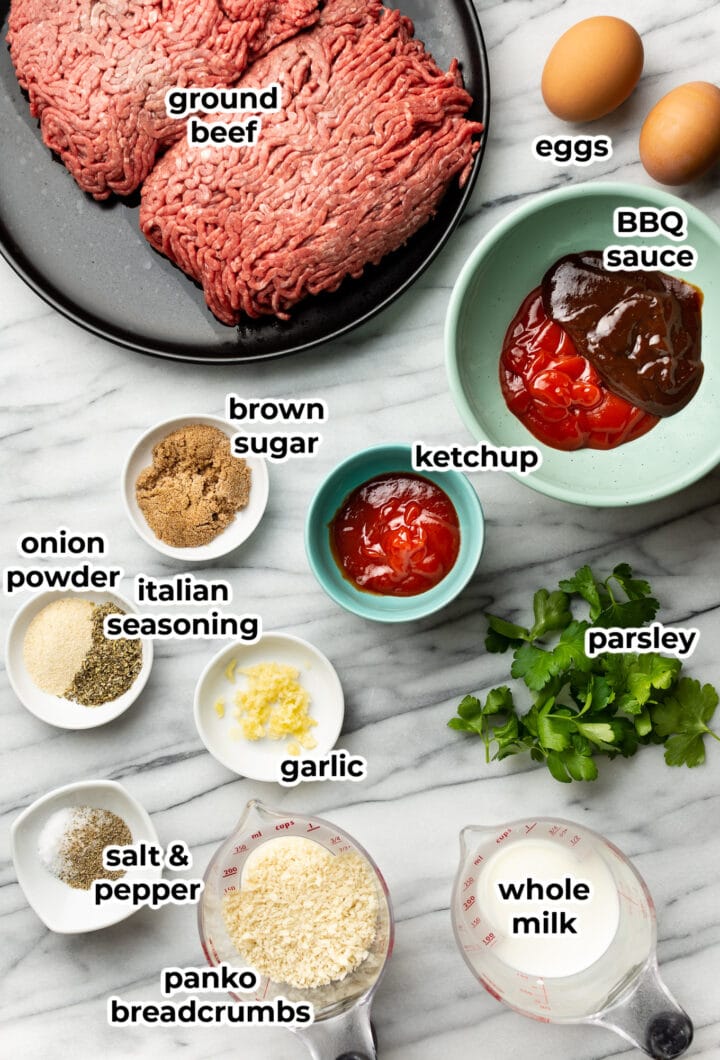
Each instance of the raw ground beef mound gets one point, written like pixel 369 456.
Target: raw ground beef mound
pixel 97 71
pixel 371 135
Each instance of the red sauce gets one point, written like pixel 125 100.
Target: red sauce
pixel 558 394
pixel 396 535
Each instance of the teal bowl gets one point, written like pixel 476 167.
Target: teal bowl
pixel 352 473
pixel 503 269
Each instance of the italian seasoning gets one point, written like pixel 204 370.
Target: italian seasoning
pixel 109 668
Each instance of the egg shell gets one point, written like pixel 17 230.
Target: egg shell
pixel 592 69
pixel 680 139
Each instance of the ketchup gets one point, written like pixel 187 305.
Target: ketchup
pixel 396 535
pixel 558 394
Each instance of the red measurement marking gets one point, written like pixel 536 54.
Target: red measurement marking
pixel 313 827
pixel 491 988
pixel 478 859
pixel 575 840
pixel 629 899
pixel 230 871
pixel 529 827
pixel 256 835
pixel 228 890
pixel 336 839
pixel 469 902
pixel 284 826
pixel 489 939
pixel 468 882
pixel 476 922
pixel 505 834
pixel 554 830
pixel 240 849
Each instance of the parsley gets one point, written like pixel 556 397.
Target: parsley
pixel 583 708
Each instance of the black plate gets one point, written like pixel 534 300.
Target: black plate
pixel 90 261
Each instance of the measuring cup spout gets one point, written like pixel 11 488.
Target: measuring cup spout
pixel 347 1036
pixel 255 815
pixel 651 1018
pixel 469 838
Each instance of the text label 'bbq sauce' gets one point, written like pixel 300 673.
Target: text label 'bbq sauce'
pixel 594 358
pixel 396 535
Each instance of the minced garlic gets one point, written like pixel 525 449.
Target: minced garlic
pixel 303 916
pixel 275 705
pixel 230 671
pixel 220 708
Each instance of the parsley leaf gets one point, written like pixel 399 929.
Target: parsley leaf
pixel 634 588
pixel 650 672
pixel 503 635
pixel 551 611
pixel 683 717
pixel 583 583
pixel 580 767
pixel 628 614
pixel 537 667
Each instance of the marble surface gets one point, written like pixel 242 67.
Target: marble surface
pixel 72 407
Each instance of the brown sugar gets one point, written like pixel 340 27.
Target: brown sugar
pixel 194 487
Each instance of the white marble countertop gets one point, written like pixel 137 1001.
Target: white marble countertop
pixel 72 406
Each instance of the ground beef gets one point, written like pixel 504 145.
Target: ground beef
pixel 371 135
pixel 97 71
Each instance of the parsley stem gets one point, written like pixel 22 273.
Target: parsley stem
pixel 609 590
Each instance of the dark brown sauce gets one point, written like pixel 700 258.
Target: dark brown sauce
pixel 640 330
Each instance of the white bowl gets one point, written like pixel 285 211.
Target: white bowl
pixel 260 759
pixel 234 535
pixel 53 709
pixel 62 908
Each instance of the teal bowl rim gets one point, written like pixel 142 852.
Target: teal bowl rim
pixel 654 197
pixel 402 608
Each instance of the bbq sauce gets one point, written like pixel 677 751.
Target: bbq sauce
pixel 640 330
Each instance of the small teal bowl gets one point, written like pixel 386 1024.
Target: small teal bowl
pixel 352 473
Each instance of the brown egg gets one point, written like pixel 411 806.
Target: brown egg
pixel 680 140
pixel 592 69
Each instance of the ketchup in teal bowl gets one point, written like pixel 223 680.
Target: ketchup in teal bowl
pixel 396 535
pixel 389 544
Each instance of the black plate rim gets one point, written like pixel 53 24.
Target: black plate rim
pixel 33 277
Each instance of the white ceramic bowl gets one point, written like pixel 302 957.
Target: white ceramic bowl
pixel 62 908
pixel 234 535
pixel 260 759
pixel 52 709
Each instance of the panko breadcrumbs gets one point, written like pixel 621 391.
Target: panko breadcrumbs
pixel 303 916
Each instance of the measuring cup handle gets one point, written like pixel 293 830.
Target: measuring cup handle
pixel 348 1036
pixel 651 1018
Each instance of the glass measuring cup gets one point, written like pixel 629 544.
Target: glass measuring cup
pixel 621 990
pixel 342 1029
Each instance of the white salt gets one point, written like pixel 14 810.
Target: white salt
pixel 51 838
